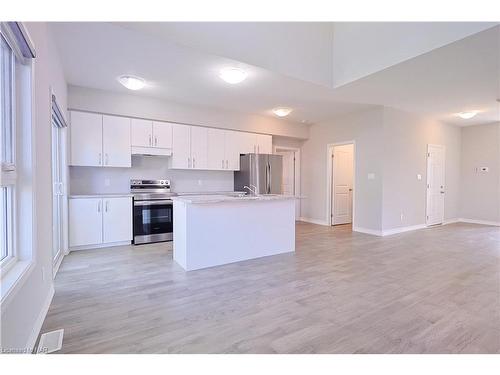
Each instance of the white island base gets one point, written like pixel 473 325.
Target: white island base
pixel 211 232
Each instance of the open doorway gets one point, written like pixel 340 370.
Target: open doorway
pixel 290 182
pixel 341 183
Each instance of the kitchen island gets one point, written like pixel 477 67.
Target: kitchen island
pixel 211 230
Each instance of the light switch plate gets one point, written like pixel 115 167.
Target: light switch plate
pixel 419 176
pixel 371 176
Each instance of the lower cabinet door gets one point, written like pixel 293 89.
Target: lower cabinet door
pixel 117 219
pixel 85 221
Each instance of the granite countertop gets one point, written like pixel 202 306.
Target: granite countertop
pixel 214 198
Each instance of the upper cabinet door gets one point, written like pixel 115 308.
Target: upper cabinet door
pixel 264 144
pixel 199 150
pixel 141 132
pixel 86 139
pixel 162 134
pixel 234 144
pixel 216 149
pixel 116 141
pixel 247 143
pixel 181 146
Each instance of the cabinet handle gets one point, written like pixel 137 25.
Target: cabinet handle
pixel 99 206
pixel 107 159
pixel 222 164
pixel 189 162
pixel 100 158
pixel 194 162
pixel 150 140
pixel 227 166
pixel 156 141
pixel 106 207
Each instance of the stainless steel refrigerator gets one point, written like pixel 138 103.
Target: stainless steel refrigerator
pixel 263 171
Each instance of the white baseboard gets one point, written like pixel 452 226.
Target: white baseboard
pixel 481 222
pixel 40 319
pixel 313 221
pixel 373 232
pixel 410 228
pixel 99 246
pixel 451 221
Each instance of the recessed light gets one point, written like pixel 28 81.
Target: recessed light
pixel 467 115
pixel 282 111
pixel 233 75
pixel 131 82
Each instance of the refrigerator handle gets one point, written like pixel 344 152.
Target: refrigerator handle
pixel 268 178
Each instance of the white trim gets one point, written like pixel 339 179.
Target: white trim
pixel 99 246
pixel 14 280
pixel 57 263
pixel 373 232
pixel 451 221
pixel 481 222
pixel 329 179
pixel 313 221
pixel 40 319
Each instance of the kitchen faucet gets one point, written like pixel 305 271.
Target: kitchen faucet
pixel 254 191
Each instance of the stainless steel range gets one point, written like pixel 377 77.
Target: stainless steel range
pixel 153 211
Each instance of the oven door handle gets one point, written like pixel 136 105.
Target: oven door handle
pixel 153 203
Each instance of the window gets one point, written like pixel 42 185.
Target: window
pixel 7 154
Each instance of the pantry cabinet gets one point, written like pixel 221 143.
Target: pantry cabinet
pixel 99 140
pixel 97 221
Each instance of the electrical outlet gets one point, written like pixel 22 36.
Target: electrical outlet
pixel 371 176
pixel 419 176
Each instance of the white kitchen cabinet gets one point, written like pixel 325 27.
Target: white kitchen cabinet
pixel 141 132
pixel 162 134
pixel 181 146
pixel 85 221
pixel 247 143
pixel 86 139
pixel 116 141
pixel 216 149
pixel 99 221
pixel 199 147
pixel 117 219
pixel 264 144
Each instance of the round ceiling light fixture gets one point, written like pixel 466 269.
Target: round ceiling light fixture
pixel 233 75
pixel 467 115
pixel 132 82
pixel 282 111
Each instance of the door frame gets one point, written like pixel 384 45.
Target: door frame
pixel 296 172
pixel 330 181
pixel 427 190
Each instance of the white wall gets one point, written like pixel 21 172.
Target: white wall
pixel 480 190
pixel 366 129
pixel 406 137
pixel 93 100
pixel 93 180
pixel 363 48
pixel 23 315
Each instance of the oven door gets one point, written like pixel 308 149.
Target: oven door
pixel 153 221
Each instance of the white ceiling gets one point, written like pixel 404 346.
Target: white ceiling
pixel 460 76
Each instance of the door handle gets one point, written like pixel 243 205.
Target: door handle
pixel 442 192
pixel 99 206
pixel 350 189
pixel 106 206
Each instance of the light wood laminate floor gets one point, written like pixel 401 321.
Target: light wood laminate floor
pixel 430 291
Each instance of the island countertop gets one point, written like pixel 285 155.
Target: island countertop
pixel 219 198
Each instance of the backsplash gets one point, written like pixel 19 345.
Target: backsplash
pixel 95 180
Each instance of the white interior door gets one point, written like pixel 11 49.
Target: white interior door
pixel 435 184
pixel 343 171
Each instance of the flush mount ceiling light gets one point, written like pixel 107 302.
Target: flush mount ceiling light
pixel 467 115
pixel 131 82
pixel 233 75
pixel 282 111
